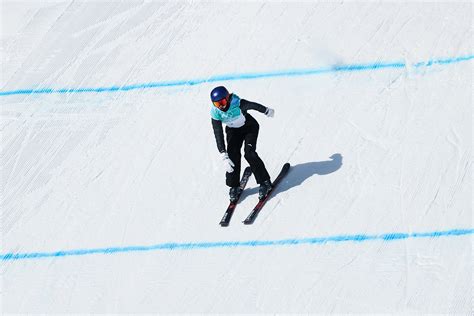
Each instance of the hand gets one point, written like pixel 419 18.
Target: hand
pixel 228 164
pixel 270 112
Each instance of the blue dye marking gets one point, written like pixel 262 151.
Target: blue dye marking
pixel 242 76
pixel 234 244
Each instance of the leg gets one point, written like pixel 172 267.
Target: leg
pixel 234 144
pixel 257 165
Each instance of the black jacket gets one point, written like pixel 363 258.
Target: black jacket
pixel 244 107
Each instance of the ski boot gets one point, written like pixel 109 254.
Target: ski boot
pixel 265 188
pixel 234 194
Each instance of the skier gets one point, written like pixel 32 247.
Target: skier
pixel 241 128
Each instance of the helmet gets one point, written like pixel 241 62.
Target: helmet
pixel 219 93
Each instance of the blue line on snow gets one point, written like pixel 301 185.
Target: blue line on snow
pixel 243 76
pixel 234 244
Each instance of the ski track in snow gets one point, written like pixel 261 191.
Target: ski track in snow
pixel 104 124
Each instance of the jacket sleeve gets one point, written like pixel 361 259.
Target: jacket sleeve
pixel 246 105
pixel 218 134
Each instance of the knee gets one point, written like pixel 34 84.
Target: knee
pixel 250 153
pixel 235 158
pixel 233 152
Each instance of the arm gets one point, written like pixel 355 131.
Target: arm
pixel 218 134
pixel 246 105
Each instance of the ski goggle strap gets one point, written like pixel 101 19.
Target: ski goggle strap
pixel 222 103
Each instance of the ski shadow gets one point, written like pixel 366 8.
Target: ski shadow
pixel 300 173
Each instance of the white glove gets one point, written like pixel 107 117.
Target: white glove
pixel 270 112
pixel 228 164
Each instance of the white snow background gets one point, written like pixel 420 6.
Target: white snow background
pixel 112 187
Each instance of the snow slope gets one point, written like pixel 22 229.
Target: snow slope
pixel 107 145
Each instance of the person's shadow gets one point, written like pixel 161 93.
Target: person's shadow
pixel 301 172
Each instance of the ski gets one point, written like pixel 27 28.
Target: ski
pixel 253 215
pixel 231 208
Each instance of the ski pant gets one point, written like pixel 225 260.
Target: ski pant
pixel 235 138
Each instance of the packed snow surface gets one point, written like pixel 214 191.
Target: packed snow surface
pixel 112 187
